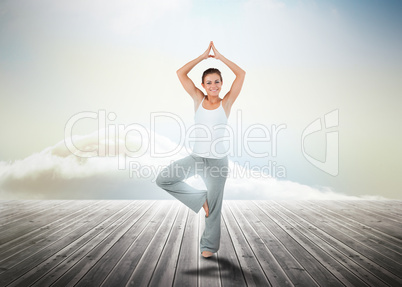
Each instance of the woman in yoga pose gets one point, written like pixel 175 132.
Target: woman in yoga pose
pixel 208 157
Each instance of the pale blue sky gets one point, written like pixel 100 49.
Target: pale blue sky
pixel 303 59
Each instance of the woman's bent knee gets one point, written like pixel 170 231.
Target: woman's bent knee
pixel 163 179
pixel 160 181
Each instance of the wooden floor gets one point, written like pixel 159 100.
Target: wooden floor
pixel 156 243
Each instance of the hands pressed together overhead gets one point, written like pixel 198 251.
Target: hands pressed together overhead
pixel 196 93
pixel 207 54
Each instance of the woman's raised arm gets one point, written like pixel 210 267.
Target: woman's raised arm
pixel 237 84
pixel 186 82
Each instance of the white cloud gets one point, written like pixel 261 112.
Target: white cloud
pixel 57 173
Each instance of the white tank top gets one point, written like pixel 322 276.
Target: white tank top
pixel 210 127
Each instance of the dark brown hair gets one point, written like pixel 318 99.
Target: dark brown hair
pixel 211 71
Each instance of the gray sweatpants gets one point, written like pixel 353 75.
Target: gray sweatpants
pixel 214 173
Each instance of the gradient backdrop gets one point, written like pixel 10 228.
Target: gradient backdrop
pixel 304 59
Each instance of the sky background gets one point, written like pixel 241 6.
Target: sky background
pixel 303 60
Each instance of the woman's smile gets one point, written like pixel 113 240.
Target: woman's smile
pixel 212 83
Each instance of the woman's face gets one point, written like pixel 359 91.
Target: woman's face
pixel 212 84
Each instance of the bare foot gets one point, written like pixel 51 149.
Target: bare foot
pixel 205 206
pixel 207 254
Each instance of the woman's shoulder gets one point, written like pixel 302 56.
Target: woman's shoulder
pixel 199 99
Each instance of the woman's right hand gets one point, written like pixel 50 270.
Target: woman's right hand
pixel 206 54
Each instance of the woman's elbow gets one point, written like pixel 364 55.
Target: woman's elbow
pixel 179 72
pixel 241 74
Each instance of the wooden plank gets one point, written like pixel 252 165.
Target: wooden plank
pixel 294 260
pixel 113 212
pixel 374 210
pixel 12 224
pixel 99 235
pixel 11 205
pixel 187 264
pixel 141 259
pixel 4 204
pixel 378 222
pixel 263 243
pixel 138 221
pixel 348 245
pixel 91 242
pixel 16 255
pixel 394 205
pixel 13 230
pixel 388 207
pixel 14 215
pixel 360 233
pixel 331 209
pixel 24 244
pixel 230 269
pixel 359 243
pixel 166 268
pixel 138 237
pixel 315 246
pixel 13 210
pixel 55 243
pixel 252 271
pixel 339 251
